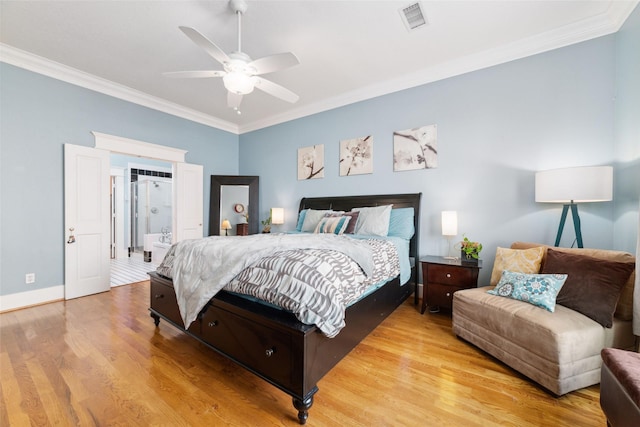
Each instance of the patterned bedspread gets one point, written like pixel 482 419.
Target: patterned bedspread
pixel 316 285
pixel 315 277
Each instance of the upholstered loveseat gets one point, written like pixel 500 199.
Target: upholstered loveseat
pixel 559 350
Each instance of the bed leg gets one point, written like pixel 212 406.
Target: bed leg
pixel 303 407
pixel 156 318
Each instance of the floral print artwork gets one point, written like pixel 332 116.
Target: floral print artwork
pixel 415 148
pixel 356 156
pixel 311 162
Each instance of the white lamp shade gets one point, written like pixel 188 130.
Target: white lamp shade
pixel 580 185
pixel 226 225
pixel 449 223
pixel 277 215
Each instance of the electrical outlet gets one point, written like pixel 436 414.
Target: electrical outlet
pixel 30 278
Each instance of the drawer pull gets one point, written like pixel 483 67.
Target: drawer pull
pixel 448 294
pixel 449 275
pixel 159 296
pixel 269 352
pixel 213 323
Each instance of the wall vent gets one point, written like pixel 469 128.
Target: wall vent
pixel 413 17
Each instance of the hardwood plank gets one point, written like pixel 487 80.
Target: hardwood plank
pixel 100 360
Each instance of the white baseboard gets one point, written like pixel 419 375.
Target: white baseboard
pixel 30 298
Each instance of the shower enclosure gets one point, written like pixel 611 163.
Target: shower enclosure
pixel 151 210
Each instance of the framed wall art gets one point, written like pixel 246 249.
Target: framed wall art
pixel 356 156
pixel 415 148
pixel 311 162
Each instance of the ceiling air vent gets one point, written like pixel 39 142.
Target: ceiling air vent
pixel 413 17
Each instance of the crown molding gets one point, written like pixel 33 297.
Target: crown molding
pixel 40 65
pixel 606 23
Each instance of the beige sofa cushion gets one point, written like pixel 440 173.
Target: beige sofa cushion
pixel 624 309
pixel 526 261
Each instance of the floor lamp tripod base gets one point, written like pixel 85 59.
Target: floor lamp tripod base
pixel 576 223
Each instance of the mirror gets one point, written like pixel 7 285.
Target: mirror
pixel 228 192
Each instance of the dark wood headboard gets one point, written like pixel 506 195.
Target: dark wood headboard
pixel 346 203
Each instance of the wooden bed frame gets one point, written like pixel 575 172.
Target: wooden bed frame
pixel 273 343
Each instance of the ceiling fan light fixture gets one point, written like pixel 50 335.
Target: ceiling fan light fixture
pixel 238 82
pixel 241 74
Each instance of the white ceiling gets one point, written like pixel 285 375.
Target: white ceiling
pixel 348 50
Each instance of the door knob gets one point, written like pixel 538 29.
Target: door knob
pixel 72 238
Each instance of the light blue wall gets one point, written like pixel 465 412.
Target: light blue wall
pixel 627 133
pixel 38 115
pixel 496 127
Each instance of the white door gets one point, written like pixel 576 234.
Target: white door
pixel 188 195
pixel 87 216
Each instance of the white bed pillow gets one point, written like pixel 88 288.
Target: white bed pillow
pixel 373 221
pixel 312 218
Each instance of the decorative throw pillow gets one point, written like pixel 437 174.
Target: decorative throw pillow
pixel 351 226
pixel 312 218
pixel 373 221
pixel 594 285
pixel 520 260
pixel 537 289
pixel 333 224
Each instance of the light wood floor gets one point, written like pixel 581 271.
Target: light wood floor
pixel 99 360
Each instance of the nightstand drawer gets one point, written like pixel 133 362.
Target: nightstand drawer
pixel 441 295
pixel 452 275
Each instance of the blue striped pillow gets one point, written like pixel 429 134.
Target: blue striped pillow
pixel 333 224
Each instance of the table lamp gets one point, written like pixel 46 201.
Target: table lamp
pixel 277 216
pixel 449 228
pixel 226 226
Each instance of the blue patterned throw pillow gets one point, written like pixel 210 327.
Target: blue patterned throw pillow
pixel 537 289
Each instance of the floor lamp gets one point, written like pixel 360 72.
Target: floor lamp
pixel 571 186
pixel 449 228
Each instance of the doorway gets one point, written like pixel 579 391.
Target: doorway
pixel 87 253
pixel 142 216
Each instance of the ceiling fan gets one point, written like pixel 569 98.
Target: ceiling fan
pixel 241 74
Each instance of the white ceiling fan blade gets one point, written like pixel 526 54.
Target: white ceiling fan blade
pixel 276 90
pixel 276 62
pixel 202 74
pixel 206 44
pixel 233 100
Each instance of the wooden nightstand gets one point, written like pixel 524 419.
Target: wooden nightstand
pixel 441 277
pixel 242 229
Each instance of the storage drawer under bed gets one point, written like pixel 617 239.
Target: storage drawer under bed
pixel 265 350
pixel 164 302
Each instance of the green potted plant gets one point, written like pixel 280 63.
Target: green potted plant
pixel 266 225
pixel 470 251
